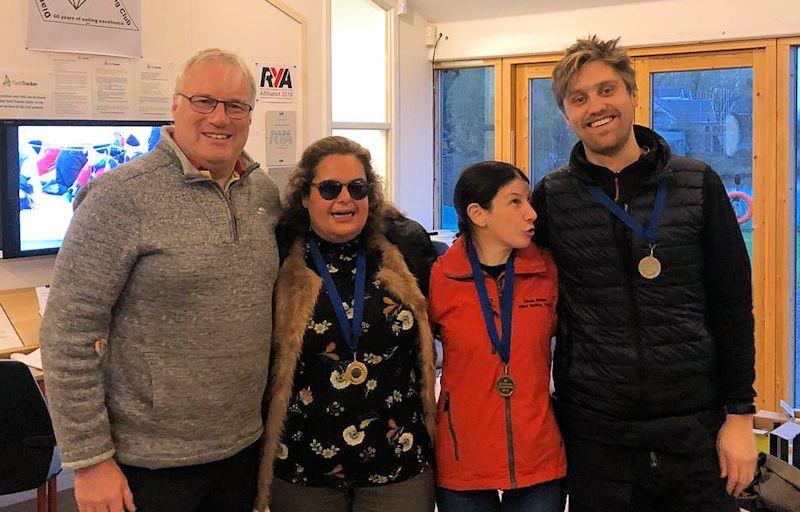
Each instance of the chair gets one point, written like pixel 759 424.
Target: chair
pixel 441 247
pixel 29 457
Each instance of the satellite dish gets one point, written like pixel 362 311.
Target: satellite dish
pixel 731 135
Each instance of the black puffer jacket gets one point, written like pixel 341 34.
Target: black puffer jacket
pixel 629 348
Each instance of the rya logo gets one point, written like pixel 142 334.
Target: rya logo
pixel 276 78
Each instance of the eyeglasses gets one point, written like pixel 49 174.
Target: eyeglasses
pixel 330 189
pixel 207 104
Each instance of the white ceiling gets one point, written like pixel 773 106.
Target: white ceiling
pixel 435 11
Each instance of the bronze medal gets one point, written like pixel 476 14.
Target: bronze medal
pixel 505 385
pixel 356 372
pixel 649 266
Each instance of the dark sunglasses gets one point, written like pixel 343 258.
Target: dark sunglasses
pixel 330 189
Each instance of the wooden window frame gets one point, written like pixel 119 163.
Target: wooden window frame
pixel 773 173
pixel 498 123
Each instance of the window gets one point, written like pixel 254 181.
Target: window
pixel 716 103
pixel 708 115
pixel 465 134
pixel 794 146
pixel 552 139
pixel 360 71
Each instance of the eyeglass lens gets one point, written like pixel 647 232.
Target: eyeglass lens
pixel 206 105
pixel 330 189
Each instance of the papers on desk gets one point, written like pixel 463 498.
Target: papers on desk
pixel 34 359
pixel 42 293
pixel 8 335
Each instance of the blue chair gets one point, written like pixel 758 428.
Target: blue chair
pixel 29 457
pixel 441 247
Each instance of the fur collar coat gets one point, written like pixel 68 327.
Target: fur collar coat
pixel 297 290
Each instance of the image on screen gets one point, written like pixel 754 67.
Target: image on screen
pixel 55 162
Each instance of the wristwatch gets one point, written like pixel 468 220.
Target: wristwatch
pixel 743 408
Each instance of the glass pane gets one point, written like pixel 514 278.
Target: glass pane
pixel 708 115
pixel 796 123
pixel 375 142
pixel 551 137
pixel 466 129
pixel 358 61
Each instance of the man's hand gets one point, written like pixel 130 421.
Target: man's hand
pixel 103 488
pixel 737 452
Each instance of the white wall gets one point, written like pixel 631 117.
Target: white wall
pixel 643 23
pixel 413 192
pixel 173 30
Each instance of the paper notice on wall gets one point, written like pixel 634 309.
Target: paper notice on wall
pixel 8 335
pixel 281 137
pixel 72 91
pixel 154 83
pixel 25 94
pixel 111 90
pixel 104 27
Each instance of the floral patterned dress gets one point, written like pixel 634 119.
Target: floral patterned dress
pixel 340 434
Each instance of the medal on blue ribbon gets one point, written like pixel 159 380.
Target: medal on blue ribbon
pixel 356 371
pixel 504 385
pixel 649 266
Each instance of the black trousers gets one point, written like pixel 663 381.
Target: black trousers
pixel 659 481
pixel 227 484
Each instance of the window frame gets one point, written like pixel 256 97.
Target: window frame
pixel 388 127
pixel 786 231
pixel 437 163
pixel 773 172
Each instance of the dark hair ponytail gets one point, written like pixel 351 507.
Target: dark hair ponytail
pixel 479 183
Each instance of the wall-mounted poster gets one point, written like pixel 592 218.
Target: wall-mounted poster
pixel 104 27
pixel 281 137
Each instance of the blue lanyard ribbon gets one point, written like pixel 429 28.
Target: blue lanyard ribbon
pixel 501 345
pixel 350 330
pixel 648 233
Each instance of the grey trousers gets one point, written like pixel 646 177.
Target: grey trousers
pixel 413 495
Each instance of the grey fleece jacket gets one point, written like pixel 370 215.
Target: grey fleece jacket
pixel 177 276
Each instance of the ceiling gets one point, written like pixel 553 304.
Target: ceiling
pixel 435 11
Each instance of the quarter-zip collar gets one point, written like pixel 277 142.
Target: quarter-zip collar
pixel 650 168
pixel 192 173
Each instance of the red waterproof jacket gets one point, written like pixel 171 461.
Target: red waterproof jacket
pixel 485 441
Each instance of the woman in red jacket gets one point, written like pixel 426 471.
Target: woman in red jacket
pixel 492 300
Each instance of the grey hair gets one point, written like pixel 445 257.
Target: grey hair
pixel 217 55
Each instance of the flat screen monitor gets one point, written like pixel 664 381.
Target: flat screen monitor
pixel 46 163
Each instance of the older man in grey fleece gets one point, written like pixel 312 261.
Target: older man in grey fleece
pixel 171 258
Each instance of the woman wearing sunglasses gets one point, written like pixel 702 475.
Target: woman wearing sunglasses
pixel 351 406
pixel 493 299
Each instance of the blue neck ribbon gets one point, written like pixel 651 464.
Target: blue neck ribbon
pixel 351 330
pixel 648 233
pixel 502 345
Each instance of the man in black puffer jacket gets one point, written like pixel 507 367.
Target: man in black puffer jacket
pixel 654 361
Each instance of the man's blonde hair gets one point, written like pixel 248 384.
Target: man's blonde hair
pixel 589 50
pixel 222 56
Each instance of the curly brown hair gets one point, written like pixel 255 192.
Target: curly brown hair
pixel 589 50
pixel 295 220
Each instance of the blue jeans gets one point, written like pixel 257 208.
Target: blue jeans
pixel 544 497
